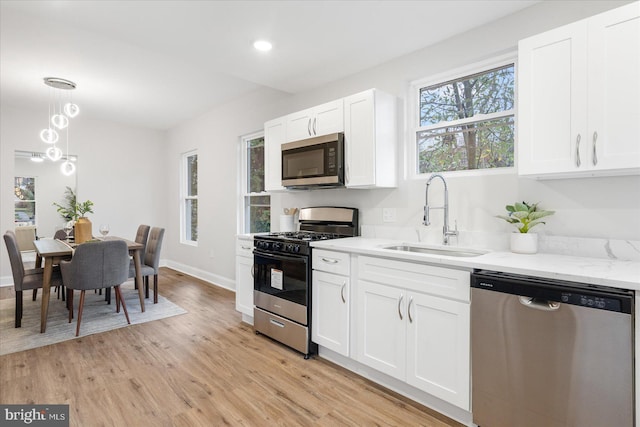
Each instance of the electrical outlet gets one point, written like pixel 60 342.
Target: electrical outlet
pixel 388 214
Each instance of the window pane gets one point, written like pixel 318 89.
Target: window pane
pixel 484 93
pixel 259 213
pixel 191 220
pixel 192 175
pixel 480 145
pixel 24 201
pixel 255 165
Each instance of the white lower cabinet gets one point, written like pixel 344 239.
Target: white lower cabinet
pixel 330 300
pixel 244 276
pixel 407 330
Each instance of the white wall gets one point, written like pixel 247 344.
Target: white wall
pixel 215 135
pixel 120 168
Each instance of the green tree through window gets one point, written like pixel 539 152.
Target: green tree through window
pixel 467 123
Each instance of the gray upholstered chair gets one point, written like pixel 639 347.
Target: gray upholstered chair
pixel 62 235
pixel 25 236
pixel 25 279
pixel 142 235
pixel 96 265
pixel 151 262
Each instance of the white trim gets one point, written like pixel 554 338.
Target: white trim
pixel 242 225
pixel 214 279
pixel 183 196
pixel 412 116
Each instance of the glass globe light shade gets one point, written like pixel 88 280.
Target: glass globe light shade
pixel 54 153
pixel 71 109
pixel 50 136
pixel 60 121
pixel 68 168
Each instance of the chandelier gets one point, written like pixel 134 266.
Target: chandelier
pixel 61 109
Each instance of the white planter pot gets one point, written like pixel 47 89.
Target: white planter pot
pixel 524 243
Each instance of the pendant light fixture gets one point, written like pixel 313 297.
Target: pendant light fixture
pixel 58 120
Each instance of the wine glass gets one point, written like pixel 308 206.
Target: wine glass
pixel 68 226
pixel 104 229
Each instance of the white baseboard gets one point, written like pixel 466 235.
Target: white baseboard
pixel 214 279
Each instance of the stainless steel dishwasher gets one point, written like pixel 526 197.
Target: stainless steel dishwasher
pixel 550 353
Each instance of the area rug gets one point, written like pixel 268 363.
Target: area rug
pixel 97 316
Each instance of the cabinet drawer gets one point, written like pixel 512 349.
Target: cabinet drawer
pixel 329 261
pixel 444 282
pixel 244 247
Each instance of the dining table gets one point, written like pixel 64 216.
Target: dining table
pixel 53 251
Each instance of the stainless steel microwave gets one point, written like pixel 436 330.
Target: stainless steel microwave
pixel 314 162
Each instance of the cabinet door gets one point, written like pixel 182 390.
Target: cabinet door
pixel 552 101
pixel 438 335
pixel 299 125
pixel 274 133
pixel 330 311
pixel 613 139
pixel 359 132
pixel 244 285
pixel 328 118
pixel 381 328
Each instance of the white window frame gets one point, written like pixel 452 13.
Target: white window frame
pixel 243 175
pixel 184 196
pixel 413 116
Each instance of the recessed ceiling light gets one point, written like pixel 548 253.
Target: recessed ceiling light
pixel 262 45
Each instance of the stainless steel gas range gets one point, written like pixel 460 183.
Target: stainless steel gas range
pixel 282 274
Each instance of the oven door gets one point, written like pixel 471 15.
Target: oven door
pixel 281 284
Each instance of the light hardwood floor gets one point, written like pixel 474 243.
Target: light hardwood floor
pixel 203 368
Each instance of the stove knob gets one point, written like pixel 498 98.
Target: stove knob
pixel 296 248
pixel 276 246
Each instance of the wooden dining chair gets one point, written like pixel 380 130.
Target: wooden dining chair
pixel 25 279
pixel 151 262
pixel 96 265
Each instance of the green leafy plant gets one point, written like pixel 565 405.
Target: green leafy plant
pixel 525 216
pixel 71 209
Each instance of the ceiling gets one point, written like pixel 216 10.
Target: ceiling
pixel 156 64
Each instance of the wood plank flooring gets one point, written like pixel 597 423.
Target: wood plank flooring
pixel 204 368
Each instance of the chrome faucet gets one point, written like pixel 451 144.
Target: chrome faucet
pixel 445 229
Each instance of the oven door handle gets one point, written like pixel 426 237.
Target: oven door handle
pixel 298 258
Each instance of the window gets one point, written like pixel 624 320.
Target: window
pixel 468 122
pixel 189 210
pixel 25 200
pixel 256 204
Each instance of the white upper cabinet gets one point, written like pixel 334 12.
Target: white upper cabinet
pixel 579 98
pixel 370 140
pixel 274 135
pixel 316 121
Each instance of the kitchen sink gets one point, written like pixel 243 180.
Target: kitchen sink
pixel 436 251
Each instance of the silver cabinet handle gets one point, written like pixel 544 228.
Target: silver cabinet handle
pixel 578 162
pixel 253 270
pixel 344 285
pixel 309 126
pixel 409 309
pixel 399 303
pixel 246 248
pixel 595 154
pixel 330 260
pixel 314 126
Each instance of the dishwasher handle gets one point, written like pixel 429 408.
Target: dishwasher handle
pixel 539 304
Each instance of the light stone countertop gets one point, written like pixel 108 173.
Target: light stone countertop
pixel 597 271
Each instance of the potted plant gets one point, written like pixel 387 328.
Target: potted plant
pixel 524 216
pixel 76 212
